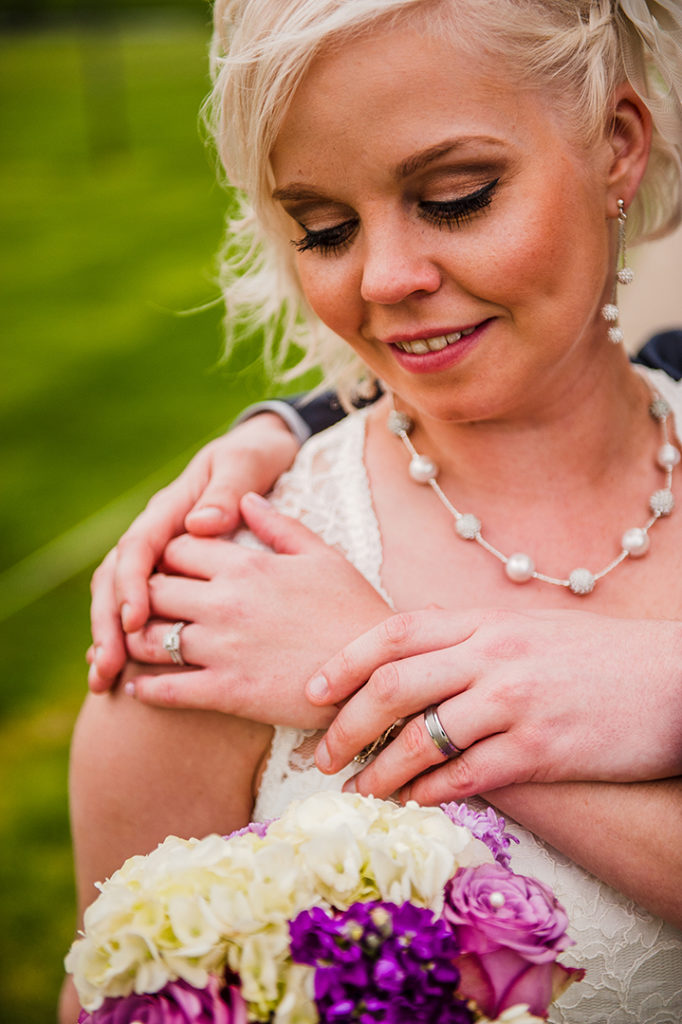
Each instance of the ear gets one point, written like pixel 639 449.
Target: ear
pixel 630 142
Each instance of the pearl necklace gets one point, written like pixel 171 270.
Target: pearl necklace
pixel 519 566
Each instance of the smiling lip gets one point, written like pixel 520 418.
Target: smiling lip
pixel 433 343
pixel 433 351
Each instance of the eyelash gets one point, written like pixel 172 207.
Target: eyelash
pixel 449 214
pixel 330 240
pixel 456 212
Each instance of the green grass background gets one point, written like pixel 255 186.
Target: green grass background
pixel 109 219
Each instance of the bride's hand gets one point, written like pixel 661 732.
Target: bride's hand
pixel 538 696
pixel 204 500
pixel 258 623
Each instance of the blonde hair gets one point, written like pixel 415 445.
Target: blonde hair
pixel 582 49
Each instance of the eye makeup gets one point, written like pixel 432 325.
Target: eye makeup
pixel 327 240
pixel 446 213
pixel 451 213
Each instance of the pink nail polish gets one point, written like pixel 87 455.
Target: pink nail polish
pixel 129 688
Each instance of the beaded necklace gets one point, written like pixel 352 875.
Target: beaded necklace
pixel 519 566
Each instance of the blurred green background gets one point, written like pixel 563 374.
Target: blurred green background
pixel 110 218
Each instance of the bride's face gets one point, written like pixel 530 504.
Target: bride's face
pixel 447 224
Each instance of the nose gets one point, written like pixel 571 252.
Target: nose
pixel 396 265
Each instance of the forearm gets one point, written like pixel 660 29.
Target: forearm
pixel 629 835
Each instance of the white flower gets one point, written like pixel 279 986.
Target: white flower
pixel 191 906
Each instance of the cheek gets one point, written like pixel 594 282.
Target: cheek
pixel 328 289
pixel 551 259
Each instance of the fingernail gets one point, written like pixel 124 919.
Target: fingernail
pixel 257 499
pixel 125 616
pixel 322 758
pixel 351 786
pixel 318 687
pixel 207 512
pixel 129 688
pixel 96 653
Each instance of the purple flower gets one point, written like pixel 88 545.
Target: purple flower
pixel 484 825
pixel 509 929
pixel 378 962
pixel 259 827
pixel 177 1003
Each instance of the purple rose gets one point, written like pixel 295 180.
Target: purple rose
pixel 177 1003
pixel 509 929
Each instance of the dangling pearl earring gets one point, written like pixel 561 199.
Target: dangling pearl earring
pixel 624 275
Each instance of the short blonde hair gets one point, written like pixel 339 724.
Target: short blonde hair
pixel 582 49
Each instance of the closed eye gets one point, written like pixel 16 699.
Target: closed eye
pixel 327 240
pixel 452 213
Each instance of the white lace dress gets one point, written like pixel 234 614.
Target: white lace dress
pixel 633 960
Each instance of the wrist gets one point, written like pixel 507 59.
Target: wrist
pixel 281 411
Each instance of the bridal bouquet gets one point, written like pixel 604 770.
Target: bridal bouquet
pixel 346 908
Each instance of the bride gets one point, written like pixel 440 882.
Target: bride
pixel 446 186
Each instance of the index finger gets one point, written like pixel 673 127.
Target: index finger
pixel 109 654
pixel 398 637
pixel 141 547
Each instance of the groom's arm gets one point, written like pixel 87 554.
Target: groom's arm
pixel 309 416
pixel 663 352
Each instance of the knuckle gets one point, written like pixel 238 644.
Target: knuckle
pixel 339 736
pixel 99 573
pixel 397 629
pixel 534 743
pixel 509 690
pixel 167 693
pixel 497 617
pixel 385 683
pixel 506 646
pixel 414 737
pixel 149 647
pixel 459 775
pixel 344 666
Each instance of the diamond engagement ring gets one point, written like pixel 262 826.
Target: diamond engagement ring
pixel 171 643
pixel 435 729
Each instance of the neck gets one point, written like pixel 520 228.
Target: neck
pixel 587 428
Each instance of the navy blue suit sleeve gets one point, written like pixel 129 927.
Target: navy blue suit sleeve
pixel 663 352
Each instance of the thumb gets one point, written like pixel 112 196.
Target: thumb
pixel 216 511
pixel 283 534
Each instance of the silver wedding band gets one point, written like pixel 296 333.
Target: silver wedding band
pixel 440 738
pixel 171 643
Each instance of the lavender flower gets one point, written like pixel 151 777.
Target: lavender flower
pixel 260 828
pixel 377 962
pixel 486 826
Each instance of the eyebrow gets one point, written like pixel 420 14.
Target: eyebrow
pixel 417 162
pixel 433 153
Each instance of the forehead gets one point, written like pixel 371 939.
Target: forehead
pixel 395 91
